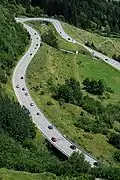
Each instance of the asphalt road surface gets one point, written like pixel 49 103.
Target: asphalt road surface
pixel 40 120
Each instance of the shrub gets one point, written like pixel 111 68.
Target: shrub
pixel 70 92
pixel 93 86
pixel 91 106
pixel 50 39
pixel 114 139
pixel 117 155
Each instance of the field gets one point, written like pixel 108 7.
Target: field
pixel 17 175
pixel 109 45
pixel 52 66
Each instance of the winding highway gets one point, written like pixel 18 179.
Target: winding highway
pixel 23 95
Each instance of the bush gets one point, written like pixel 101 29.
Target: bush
pixel 49 103
pixel 114 139
pixel 117 155
pixel 50 39
pixel 94 87
pixel 91 125
pixel 70 92
pixel 91 106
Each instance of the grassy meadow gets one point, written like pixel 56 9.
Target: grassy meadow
pixel 53 66
pixel 107 44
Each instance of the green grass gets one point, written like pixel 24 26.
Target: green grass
pixel 51 65
pixel 63 44
pixel 108 45
pixel 19 175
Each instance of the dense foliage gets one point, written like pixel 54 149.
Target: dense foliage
pixel 114 139
pixel 93 86
pixel 50 39
pixel 104 14
pixel 70 92
pixel 117 155
pixel 13 40
pixel 15 120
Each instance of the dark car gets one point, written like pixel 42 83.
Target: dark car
pixel 23 89
pixel 31 104
pixel 68 38
pixel 30 54
pixel 35 33
pixel 50 127
pixel 38 113
pixel 22 77
pixel 53 139
pixel 36 44
pixel 96 57
pixel 96 163
pixel 36 38
pixel 73 146
pixel 41 44
pixel 26 94
pixel 17 86
pixel 106 59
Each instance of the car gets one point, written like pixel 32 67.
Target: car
pixel 23 89
pixel 60 32
pixel 96 57
pixel 38 113
pixel 26 94
pixel 31 104
pixel 50 127
pixel 106 59
pixel 30 54
pixel 36 38
pixel 36 44
pixel 17 86
pixel 35 33
pixel 35 48
pixel 96 163
pixel 41 44
pixel 53 139
pixel 73 146
pixel 68 38
pixel 22 77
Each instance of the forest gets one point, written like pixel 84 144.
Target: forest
pixel 13 40
pixel 102 16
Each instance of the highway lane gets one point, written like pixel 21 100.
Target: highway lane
pixel 63 34
pixel 41 121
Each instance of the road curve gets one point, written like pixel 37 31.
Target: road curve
pixel 41 121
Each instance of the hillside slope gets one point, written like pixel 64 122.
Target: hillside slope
pixel 13 40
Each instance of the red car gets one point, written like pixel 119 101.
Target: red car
pixel 53 139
